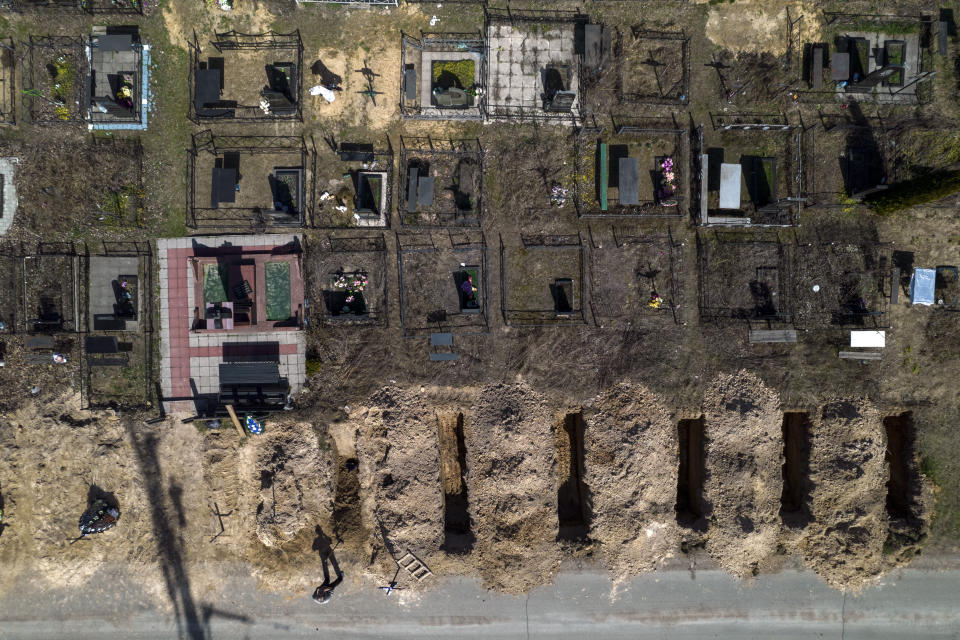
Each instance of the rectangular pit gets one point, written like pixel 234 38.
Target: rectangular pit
pixel 458 536
pixel 572 509
pixel 348 525
pixel 794 510
pixel 689 505
pixel 899 456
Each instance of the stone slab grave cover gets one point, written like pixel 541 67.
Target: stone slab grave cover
pixel 730 178
pixel 840 66
pixel 629 184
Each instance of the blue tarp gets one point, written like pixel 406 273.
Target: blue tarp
pixel 922 284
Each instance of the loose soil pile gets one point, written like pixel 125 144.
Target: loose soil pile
pixel 743 472
pixel 512 484
pixel 630 446
pixel 57 458
pixel 291 478
pixel 844 542
pixel 400 473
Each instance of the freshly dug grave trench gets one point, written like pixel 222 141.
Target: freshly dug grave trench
pixel 844 541
pixel 512 483
pixel 347 521
pixel 744 462
pixel 909 495
pixel 457 530
pixel 899 444
pixel 572 510
pixel 292 481
pixel 630 470
pixel 288 475
pixel 689 507
pixel 400 473
pixel 794 502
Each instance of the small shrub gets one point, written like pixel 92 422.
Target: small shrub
pixel 313 367
pixel 463 70
pixel 928 467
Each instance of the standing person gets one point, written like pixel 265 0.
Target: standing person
pixel 322 545
pixel 325 591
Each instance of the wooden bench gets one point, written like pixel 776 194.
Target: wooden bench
pixel 816 68
pixel 860 355
pixel 758 336
pixel 107 362
pixel 39 342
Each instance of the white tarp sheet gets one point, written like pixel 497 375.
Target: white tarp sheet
pixel 922 284
pixel 868 339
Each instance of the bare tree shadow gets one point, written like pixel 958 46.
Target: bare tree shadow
pixel 169 545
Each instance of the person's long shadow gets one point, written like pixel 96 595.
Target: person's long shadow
pixel 189 622
pixel 322 545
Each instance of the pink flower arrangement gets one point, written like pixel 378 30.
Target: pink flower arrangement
pixel 668 182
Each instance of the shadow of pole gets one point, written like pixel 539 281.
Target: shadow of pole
pixel 169 544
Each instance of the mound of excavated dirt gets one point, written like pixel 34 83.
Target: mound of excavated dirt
pixel 400 472
pixel 844 541
pixel 743 483
pixel 221 480
pixel 630 450
pixel 512 484
pixel 55 459
pixel 292 480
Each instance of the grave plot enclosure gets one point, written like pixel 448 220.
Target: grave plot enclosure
pixel 749 171
pixel 638 169
pixel 93 184
pixel 244 183
pixel 744 278
pixel 443 76
pixel 355 186
pixel 118 348
pixel 50 285
pixel 842 279
pixel 349 275
pixel 534 68
pixel 541 282
pixel 54 78
pixel 443 283
pixel 241 76
pixel 116 75
pixel 885 59
pixel 635 277
pixel 640 66
pixel 441 182
pixel 846 160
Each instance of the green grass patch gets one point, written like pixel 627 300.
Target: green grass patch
pixel 454 73
pixel 122 208
pixel 214 283
pixel 63 74
pixel 277 277
pixel 909 193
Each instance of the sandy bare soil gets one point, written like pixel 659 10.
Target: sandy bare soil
pixel 630 446
pixel 743 461
pixel 511 475
pixel 844 542
pixel 485 482
pixel 400 473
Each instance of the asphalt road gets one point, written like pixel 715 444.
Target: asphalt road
pixel 909 604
